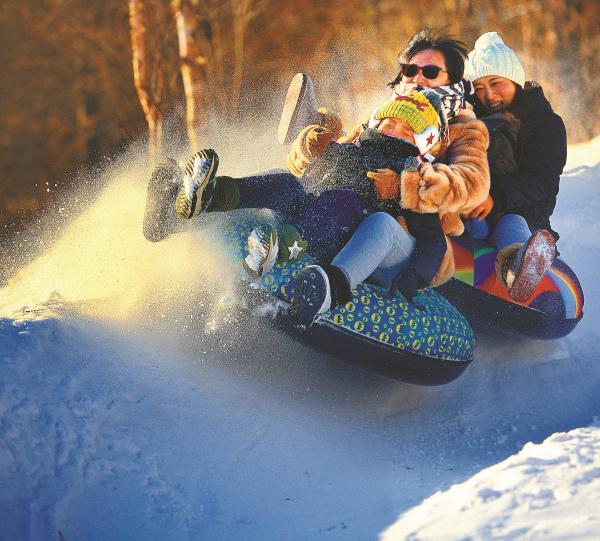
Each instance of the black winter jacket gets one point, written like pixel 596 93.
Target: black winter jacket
pixel 541 154
pixel 344 167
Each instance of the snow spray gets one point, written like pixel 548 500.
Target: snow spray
pixel 97 260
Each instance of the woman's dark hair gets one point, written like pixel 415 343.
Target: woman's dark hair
pixel 454 51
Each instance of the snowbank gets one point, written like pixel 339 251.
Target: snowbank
pixel 546 491
pixel 583 154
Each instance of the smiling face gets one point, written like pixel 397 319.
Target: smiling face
pixel 424 58
pixel 396 127
pixel 494 92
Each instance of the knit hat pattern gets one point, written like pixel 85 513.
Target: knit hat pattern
pixel 415 109
pixel 492 57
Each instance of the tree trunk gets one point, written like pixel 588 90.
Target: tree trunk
pixel 190 89
pixel 149 100
pixel 241 9
pixel 244 11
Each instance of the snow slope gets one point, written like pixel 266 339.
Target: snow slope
pixel 546 491
pixel 136 403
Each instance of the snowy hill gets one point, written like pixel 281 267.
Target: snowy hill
pixel 136 402
pixel 546 491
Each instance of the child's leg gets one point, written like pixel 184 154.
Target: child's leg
pixel 379 248
pixel 277 190
pixel 522 258
pixel 510 229
pixel 379 244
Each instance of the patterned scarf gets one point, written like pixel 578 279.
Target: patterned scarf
pixel 452 96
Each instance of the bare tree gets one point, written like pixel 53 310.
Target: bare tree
pixel 194 115
pixel 148 83
pixel 221 28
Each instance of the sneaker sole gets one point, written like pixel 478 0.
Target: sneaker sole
pixel 311 285
pixel 299 92
pixel 188 208
pixel 160 195
pixel 539 255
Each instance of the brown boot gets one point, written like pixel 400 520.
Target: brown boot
pixel 522 266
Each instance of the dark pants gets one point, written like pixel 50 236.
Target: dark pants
pixel 326 220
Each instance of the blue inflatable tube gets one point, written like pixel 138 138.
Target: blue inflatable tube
pixel 428 343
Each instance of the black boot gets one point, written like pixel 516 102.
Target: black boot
pixel 159 215
pixel 340 287
pixel 317 290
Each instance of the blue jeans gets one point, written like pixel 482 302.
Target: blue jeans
pixel 326 220
pixel 381 247
pixel 378 250
pixel 510 229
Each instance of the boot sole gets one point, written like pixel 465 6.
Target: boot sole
pixel 300 89
pixel 160 195
pixel 188 207
pixel 310 287
pixel 539 256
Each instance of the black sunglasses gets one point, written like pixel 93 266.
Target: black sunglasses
pixel 429 72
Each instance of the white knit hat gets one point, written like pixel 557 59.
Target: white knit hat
pixel 491 57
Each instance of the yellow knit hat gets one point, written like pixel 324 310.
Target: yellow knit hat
pixel 414 108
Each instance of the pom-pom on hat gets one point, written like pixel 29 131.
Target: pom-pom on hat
pixel 492 57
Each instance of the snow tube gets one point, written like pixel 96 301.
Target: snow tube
pixel 428 343
pixel 553 311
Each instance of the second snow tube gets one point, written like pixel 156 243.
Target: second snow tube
pixel 553 311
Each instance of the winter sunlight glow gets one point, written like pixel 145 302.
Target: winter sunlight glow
pixel 103 256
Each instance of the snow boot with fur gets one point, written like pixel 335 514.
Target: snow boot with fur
pixel 521 267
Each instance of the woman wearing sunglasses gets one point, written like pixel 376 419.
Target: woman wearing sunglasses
pixel 520 203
